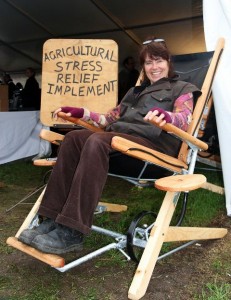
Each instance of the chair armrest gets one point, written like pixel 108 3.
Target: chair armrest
pixel 80 122
pixel 144 153
pixel 184 136
pixel 52 137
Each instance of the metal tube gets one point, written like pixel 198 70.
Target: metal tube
pixel 176 249
pixel 108 232
pixel 87 257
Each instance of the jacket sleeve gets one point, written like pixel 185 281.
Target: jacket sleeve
pixel 101 120
pixel 182 111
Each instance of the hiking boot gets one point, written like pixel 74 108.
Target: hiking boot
pixel 28 235
pixel 59 241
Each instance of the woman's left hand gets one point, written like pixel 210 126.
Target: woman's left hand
pixel 159 116
pixel 55 113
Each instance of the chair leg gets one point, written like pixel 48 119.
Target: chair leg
pixel 53 260
pixel 151 252
pixel 214 188
pixel 31 215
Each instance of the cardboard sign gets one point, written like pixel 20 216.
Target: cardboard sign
pixel 79 73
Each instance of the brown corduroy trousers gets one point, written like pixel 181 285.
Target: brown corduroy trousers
pixel 77 180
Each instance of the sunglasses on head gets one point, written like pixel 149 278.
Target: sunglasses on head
pixel 154 40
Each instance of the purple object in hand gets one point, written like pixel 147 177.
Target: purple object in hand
pixel 167 117
pixel 76 112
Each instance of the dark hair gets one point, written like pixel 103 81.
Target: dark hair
pixel 32 70
pixel 7 77
pixel 156 49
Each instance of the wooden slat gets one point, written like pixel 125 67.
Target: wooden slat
pixel 31 214
pixel 201 101
pixel 184 136
pixel 113 207
pixel 206 88
pixel 50 259
pixel 213 188
pixel 176 234
pixel 151 252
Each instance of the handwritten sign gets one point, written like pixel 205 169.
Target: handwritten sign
pixel 79 73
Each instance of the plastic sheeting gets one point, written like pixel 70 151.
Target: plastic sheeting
pixel 217 23
pixel 20 136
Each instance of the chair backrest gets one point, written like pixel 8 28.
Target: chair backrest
pixel 201 72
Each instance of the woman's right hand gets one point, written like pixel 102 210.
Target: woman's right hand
pixel 75 112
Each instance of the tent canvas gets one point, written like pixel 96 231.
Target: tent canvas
pixel 217 23
pixel 26 25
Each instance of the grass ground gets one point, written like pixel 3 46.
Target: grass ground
pixel 201 271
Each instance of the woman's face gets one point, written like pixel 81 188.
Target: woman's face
pixel 156 68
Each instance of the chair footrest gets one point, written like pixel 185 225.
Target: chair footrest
pixel 45 162
pixel 105 206
pixel 50 259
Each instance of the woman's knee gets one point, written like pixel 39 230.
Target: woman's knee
pixel 99 140
pixel 76 136
pixel 74 141
pixel 100 137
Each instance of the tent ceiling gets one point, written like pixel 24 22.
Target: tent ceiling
pixel 25 25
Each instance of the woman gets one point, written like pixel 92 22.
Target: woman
pixel 80 173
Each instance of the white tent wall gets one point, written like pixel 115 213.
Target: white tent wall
pixel 217 23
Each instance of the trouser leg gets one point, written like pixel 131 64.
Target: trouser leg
pixel 72 202
pixel 63 172
pixel 77 180
pixel 87 184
